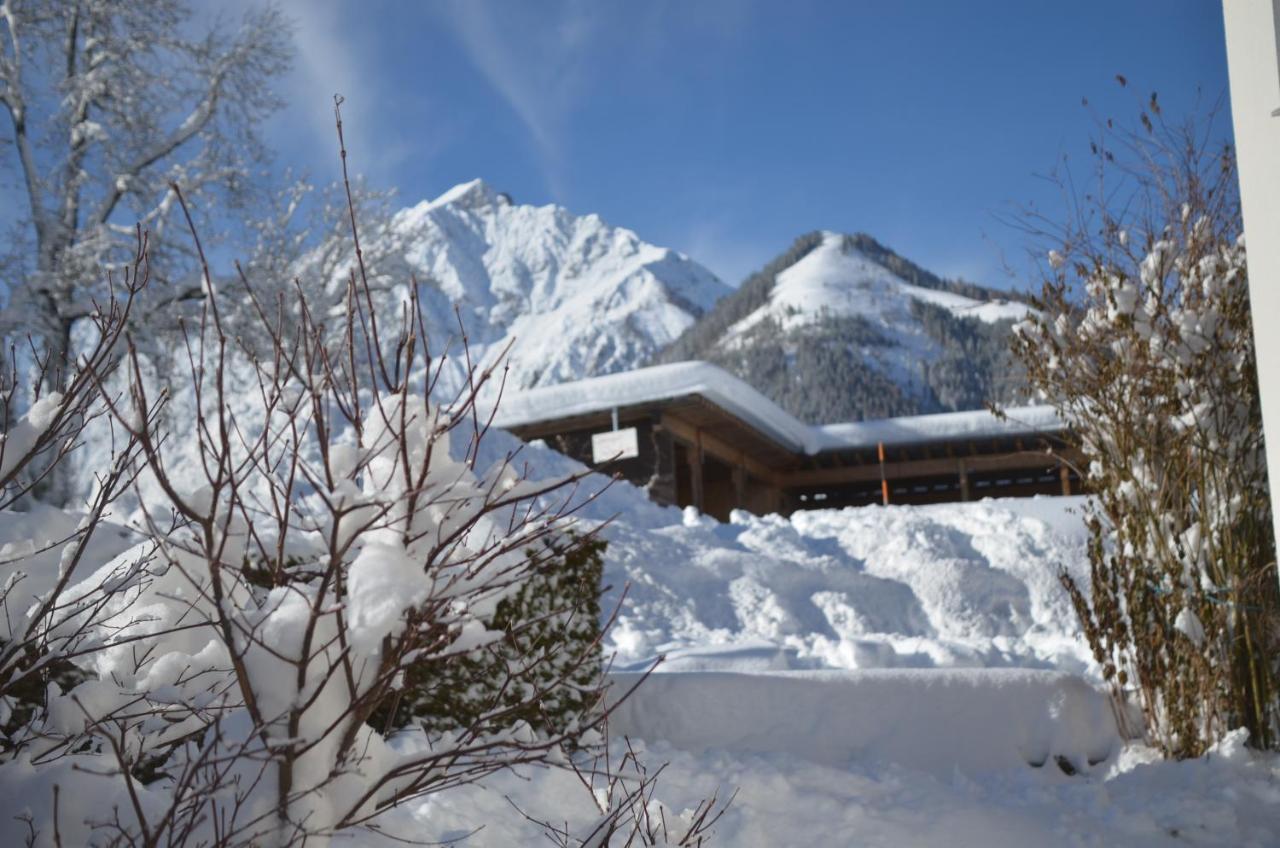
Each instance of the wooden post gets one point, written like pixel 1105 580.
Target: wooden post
pixel 963 470
pixel 695 471
pixel 663 487
pixel 740 484
pixel 884 483
pixel 1065 474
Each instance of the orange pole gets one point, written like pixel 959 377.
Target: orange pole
pixel 884 483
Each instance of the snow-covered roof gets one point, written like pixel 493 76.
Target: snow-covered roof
pixel 687 379
pixel 914 429
pixel 660 382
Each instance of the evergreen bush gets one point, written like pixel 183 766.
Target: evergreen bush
pixel 550 623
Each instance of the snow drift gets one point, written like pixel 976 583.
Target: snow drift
pixel 934 721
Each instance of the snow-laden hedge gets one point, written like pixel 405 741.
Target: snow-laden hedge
pixel 550 624
pixel 1145 347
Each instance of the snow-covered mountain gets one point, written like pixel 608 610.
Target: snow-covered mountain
pixel 573 296
pixel 841 328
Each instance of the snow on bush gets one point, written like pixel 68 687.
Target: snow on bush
pixel 302 555
pixel 1146 348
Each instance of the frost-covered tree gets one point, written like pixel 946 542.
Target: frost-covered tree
pixel 1145 346
pixel 107 103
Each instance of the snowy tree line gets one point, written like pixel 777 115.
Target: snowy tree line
pixel 826 370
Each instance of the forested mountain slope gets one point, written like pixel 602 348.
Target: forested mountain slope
pixel 841 328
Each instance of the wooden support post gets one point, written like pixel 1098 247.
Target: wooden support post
pixel 884 482
pixel 695 471
pixel 1065 474
pixel 771 501
pixel 740 485
pixel 963 470
pixel 663 486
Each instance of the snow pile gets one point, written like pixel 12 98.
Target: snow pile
pixel 1227 798
pixel 947 585
pixel 932 720
pixel 957 585
pixel 572 295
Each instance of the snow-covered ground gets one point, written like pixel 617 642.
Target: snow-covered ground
pixel 879 676
pixel 957 751
pixel 874 676
pixel 1229 798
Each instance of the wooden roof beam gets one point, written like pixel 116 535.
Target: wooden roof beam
pixel 1028 460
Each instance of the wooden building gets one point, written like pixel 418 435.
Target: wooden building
pixel 706 439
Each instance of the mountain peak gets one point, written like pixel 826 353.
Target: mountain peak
pixel 840 328
pixel 565 296
pixel 470 195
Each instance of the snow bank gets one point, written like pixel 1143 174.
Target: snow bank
pixel 952 585
pixel 1227 798
pixel 948 585
pixel 933 721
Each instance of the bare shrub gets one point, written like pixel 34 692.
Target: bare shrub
pixel 334 608
pixel 330 543
pixel 46 625
pixel 1144 344
pixel 627 813
pixel 320 530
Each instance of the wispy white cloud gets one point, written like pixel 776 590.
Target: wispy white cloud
pixel 336 54
pixel 329 62
pixel 536 57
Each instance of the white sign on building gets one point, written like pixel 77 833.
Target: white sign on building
pixel 615 444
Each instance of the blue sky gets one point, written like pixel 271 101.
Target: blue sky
pixel 725 129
